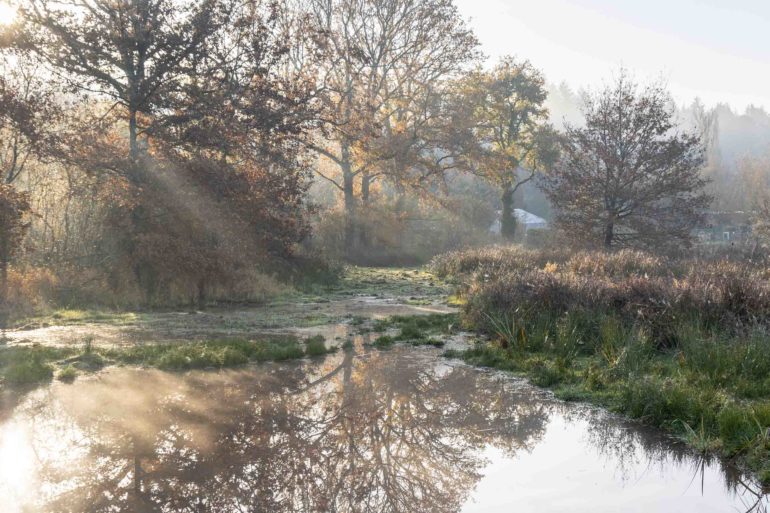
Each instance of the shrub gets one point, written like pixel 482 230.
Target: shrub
pixel 680 343
pixel 315 346
pixel 67 374
pixel 659 295
pixel 383 341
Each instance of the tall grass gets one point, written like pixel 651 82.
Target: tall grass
pixel 681 343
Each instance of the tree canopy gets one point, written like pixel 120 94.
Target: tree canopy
pixel 630 176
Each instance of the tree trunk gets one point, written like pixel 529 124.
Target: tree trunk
pixel 508 220
pixel 133 143
pixel 363 235
pixel 609 234
pixel 365 182
pixel 4 307
pixel 350 199
pixel 201 299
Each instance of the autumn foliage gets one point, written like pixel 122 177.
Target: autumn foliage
pixel 14 209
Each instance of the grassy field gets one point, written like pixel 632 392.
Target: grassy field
pixel 679 344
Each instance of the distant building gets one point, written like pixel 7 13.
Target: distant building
pixel 725 227
pixel 524 220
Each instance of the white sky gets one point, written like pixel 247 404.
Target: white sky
pixel 718 50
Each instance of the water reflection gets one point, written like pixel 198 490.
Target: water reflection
pixel 395 431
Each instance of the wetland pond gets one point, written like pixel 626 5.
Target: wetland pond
pixel 359 430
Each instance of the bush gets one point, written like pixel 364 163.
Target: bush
pixel 383 341
pixel 315 346
pixel 642 290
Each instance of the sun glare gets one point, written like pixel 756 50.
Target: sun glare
pixel 7 13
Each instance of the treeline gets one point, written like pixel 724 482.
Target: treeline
pixel 157 151
pixel 152 148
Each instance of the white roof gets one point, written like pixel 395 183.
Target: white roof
pixel 525 217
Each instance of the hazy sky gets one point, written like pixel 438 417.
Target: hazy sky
pixel 718 50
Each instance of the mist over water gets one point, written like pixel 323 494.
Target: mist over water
pixel 398 430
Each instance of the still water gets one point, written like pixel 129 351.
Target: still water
pixel 394 431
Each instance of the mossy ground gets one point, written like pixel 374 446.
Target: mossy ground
pixel 73 316
pixel 414 285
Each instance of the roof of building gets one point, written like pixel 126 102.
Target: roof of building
pixel 525 217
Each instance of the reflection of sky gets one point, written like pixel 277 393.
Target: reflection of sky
pixel 564 473
pixel 718 50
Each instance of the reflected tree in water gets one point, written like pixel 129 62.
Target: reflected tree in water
pixel 382 432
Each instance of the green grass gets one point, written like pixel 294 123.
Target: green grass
pixel 67 374
pixel 711 390
pixel 383 342
pixel 208 354
pixel 413 327
pixel 316 346
pixel 417 330
pixel 25 365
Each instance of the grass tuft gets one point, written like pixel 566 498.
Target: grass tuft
pixel 67 374
pixel 316 346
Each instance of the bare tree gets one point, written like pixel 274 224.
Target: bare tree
pixel 382 58
pixel 29 113
pixel 132 51
pixel 630 177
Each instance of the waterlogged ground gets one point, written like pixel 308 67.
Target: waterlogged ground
pixel 363 294
pixel 363 430
pixel 360 429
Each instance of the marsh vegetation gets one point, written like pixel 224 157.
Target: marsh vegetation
pixel 237 237
pixel 679 343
